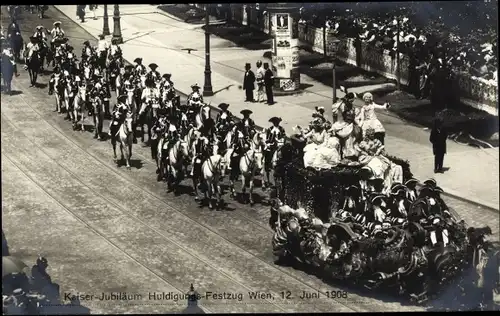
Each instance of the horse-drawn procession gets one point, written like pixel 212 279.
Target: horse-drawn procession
pixel 341 204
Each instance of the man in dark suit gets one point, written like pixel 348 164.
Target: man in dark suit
pixel 249 83
pixel 268 83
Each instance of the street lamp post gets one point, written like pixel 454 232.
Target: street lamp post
pixel 207 86
pixel 117 32
pixel 398 42
pixel 105 27
pixel 332 51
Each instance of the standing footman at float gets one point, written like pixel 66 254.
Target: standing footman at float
pixel 275 138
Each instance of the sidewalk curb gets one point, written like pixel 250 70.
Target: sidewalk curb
pixel 447 192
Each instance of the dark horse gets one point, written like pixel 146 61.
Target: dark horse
pixel 34 65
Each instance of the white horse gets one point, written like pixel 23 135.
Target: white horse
pixel 59 93
pixel 251 163
pixel 132 107
pixel 202 115
pixel 213 170
pixel 189 138
pixel 177 154
pixel 80 107
pixel 229 147
pixel 124 136
pixel 69 96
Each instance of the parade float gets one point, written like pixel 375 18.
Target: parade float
pixel 350 212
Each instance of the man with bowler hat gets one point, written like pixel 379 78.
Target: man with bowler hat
pixel 248 83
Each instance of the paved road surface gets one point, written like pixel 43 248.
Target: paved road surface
pixel 106 229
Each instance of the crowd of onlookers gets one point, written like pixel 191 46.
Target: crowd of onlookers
pixel 473 50
pixel 24 294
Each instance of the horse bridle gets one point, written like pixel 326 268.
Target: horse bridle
pixel 176 151
pixel 213 167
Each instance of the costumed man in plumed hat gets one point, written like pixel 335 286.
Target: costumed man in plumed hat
pixel 56 33
pixel 411 189
pixel 246 125
pixel 31 48
pixel 203 146
pixel 195 99
pixel 150 96
pixel 87 51
pixel 114 50
pixel 102 51
pixel 275 138
pixel 158 129
pixel 119 112
pixel 168 78
pixel 172 135
pixel 153 74
pixel 39 33
pixel 139 67
pixel 224 122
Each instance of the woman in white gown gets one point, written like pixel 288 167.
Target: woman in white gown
pixel 315 138
pixel 367 118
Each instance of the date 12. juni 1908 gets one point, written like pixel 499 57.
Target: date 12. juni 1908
pixel 305 295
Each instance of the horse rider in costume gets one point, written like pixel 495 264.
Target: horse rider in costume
pixel 114 50
pixel 246 125
pixel 87 51
pixel 201 147
pixel 31 48
pixel 150 96
pixel 243 131
pixel 40 34
pixel 153 74
pixel 172 135
pixel 195 99
pixel 158 129
pixel 119 112
pixel 139 68
pixel 224 121
pixel 102 51
pixel 167 78
pixel 56 33
pixel 275 135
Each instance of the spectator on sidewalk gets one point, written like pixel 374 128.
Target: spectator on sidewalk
pixel 92 8
pixel 268 83
pixel 249 83
pixel 80 12
pixel 438 140
pixel 260 81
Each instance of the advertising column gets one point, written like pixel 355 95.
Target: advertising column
pixel 286 52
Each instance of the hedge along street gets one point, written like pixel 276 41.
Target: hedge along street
pixel 186 69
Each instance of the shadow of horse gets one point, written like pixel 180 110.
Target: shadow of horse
pixel 134 163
